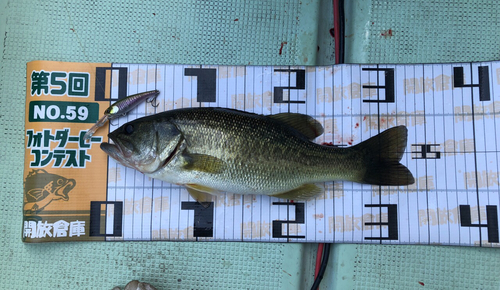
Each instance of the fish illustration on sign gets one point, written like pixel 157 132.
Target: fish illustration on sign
pixel 41 188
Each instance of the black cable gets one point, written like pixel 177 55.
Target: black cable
pixel 341 49
pixel 341 38
pixel 322 269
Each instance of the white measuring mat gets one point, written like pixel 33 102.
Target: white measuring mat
pixel 452 112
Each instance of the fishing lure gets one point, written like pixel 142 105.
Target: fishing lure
pixel 121 108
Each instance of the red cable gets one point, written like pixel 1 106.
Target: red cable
pixel 336 32
pixel 319 257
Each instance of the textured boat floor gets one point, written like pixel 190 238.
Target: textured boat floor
pixel 228 32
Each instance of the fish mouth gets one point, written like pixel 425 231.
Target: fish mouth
pixel 115 151
pixel 122 151
pixel 65 189
pixel 111 149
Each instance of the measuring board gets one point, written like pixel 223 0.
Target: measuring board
pixel 452 112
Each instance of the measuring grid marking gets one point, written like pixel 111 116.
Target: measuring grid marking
pixel 451 152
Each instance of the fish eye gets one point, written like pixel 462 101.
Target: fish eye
pixel 129 129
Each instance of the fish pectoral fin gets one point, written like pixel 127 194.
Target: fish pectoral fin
pixel 36 193
pixel 305 124
pixel 204 163
pixel 303 192
pixel 202 194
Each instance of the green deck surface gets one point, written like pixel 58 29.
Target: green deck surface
pixel 233 33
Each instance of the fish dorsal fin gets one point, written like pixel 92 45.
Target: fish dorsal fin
pixel 305 124
pixel 204 163
pixel 303 192
pixel 202 194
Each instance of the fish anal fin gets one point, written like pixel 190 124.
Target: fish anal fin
pixel 305 124
pixel 303 192
pixel 204 163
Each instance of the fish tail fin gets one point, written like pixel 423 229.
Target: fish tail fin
pixel 382 155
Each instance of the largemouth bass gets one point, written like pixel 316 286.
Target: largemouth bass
pixel 212 150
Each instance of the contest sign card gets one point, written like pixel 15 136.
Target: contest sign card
pixel 74 192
